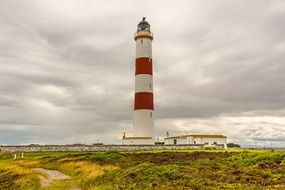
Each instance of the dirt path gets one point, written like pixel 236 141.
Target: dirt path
pixel 51 176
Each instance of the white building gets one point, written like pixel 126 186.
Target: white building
pixel 206 140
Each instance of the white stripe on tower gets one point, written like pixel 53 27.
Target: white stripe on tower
pixel 143 83
pixel 143 48
pixel 143 104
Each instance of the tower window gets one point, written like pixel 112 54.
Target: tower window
pixel 141 41
pixel 150 86
pixel 150 113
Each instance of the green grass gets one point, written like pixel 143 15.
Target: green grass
pixel 13 176
pixel 256 157
pixel 103 157
pixel 48 154
pixel 183 169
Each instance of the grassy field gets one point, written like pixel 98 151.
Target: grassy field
pixel 148 170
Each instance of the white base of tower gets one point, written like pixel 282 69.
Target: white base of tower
pixel 138 141
pixel 143 123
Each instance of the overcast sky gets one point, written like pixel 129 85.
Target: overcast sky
pixel 67 69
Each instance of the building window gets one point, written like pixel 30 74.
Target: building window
pixel 141 41
pixel 194 142
pixel 150 86
pixel 175 141
pixel 150 113
pixel 215 143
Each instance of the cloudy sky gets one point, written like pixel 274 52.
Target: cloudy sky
pixel 67 69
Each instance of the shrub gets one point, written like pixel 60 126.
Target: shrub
pixel 232 145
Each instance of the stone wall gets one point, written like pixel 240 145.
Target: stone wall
pixel 82 148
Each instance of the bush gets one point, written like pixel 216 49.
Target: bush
pixel 232 145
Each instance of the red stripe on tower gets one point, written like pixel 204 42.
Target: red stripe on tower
pixel 143 100
pixel 144 66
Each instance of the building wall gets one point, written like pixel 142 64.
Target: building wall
pixel 178 141
pixel 198 141
pixel 210 141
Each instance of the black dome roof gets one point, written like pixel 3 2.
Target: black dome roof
pixel 143 24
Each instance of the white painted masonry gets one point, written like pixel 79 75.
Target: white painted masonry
pixel 143 83
pixel 143 48
pixel 143 123
pixel 197 140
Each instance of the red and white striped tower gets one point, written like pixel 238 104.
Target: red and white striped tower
pixel 143 103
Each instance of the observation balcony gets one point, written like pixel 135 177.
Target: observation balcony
pixel 143 34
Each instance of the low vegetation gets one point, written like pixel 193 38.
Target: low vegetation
pixel 210 169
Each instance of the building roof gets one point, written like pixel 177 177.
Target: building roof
pixel 196 136
pixel 137 138
pixel 143 24
pixel 209 136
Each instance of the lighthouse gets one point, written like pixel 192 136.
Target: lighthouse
pixel 143 130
